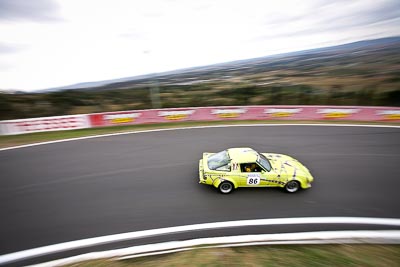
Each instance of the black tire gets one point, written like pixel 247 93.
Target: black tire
pixel 226 187
pixel 292 186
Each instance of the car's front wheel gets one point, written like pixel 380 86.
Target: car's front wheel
pixel 292 186
pixel 225 187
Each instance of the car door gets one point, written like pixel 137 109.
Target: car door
pixel 253 176
pixel 271 178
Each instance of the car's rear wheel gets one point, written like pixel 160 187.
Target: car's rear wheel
pixel 225 187
pixel 292 186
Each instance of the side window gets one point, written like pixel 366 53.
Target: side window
pixel 250 167
pixel 225 168
pixel 219 161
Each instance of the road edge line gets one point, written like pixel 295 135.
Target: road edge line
pixel 199 127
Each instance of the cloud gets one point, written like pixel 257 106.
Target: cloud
pixel 5 67
pixel 359 13
pixel 9 49
pixel 387 11
pixel 134 34
pixel 26 10
pixel 333 17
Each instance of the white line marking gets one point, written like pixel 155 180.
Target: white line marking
pixel 35 252
pixel 199 127
pixel 323 237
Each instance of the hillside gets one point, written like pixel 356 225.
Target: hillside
pixel 361 73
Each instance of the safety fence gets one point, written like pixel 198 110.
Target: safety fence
pixel 388 234
pixel 132 117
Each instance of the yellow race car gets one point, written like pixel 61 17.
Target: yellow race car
pixel 245 167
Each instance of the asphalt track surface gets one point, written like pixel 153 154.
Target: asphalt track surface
pixel 107 185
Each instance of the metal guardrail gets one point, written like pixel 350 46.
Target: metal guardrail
pixel 52 249
pixel 324 237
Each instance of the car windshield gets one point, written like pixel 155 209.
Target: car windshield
pixel 264 162
pixel 218 160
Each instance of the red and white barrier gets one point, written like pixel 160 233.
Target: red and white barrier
pixel 44 124
pixel 247 113
pixel 306 113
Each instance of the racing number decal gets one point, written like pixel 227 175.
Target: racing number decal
pixel 253 179
pixel 235 166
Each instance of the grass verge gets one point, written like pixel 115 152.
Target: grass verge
pixel 30 138
pixel 282 255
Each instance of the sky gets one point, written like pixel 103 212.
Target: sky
pixel 52 43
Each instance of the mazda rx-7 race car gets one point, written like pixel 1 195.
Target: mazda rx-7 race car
pixel 245 167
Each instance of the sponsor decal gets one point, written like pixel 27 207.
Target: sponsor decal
pixel 253 179
pixel 235 166
pixel 389 114
pixel 228 113
pixel 282 112
pixel 275 182
pixel 294 168
pixel 176 114
pixel 287 163
pixel 121 117
pixel 337 113
pixel 50 124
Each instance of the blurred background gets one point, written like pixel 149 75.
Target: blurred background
pixel 77 57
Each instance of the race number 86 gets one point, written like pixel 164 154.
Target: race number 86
pixel 253 180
